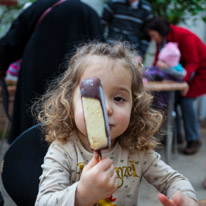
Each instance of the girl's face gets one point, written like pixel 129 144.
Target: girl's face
pixel 155 35
pixel 116 82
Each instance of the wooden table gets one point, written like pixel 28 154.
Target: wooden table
pixel 171 87
pixel 166 85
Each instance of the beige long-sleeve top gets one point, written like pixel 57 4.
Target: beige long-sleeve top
pixel 63 164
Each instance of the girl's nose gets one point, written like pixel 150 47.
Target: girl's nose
pixel 109 109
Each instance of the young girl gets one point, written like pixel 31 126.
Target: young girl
pixel 72 174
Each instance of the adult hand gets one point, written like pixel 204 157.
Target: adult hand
pixel 161 65
pixel 98 181
pixel 184 92
pixel 178 199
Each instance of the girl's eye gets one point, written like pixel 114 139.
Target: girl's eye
pixel 119 99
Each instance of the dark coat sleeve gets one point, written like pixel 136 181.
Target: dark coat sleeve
pixel 96 28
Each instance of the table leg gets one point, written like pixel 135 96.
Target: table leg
pixel 169 137
pixel 174 129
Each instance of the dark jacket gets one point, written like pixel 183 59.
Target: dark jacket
pixel 43 49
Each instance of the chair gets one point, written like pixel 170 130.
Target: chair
pixel 21 166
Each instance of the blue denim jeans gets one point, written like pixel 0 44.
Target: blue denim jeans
pixel 190 117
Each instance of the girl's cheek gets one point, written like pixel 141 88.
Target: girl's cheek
pixel 79 120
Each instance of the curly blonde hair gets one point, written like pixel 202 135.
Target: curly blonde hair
pixel 55 109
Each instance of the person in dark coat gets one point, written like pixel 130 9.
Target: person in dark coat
pixel 193 59
pixel 43 48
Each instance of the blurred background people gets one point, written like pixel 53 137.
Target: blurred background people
pixel 168 61
pixel 193 60
pixel 13 70
pixel 43 48
pixel 124 20
pixel 167 65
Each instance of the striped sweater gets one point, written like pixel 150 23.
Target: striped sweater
pixel 126 22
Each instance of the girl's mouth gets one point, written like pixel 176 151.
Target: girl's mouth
pixel 110 126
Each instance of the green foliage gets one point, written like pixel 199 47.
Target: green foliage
pixel 9 12
pixel 177 11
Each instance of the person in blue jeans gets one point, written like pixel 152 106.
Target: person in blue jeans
pixel 193 56
pixel 166 68
pixel 190 119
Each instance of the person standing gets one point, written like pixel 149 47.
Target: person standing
pixel 193 60
pixel 43 48
pixel 125 20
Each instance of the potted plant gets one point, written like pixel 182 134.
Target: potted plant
pixel 9 10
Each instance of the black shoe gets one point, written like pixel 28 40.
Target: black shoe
pixel 180 139
pixel 192 147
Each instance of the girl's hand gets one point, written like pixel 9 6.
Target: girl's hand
pixel 178 199
pixel 98 181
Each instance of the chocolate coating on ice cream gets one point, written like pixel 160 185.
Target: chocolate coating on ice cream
pixel 95 113
pixel 91 88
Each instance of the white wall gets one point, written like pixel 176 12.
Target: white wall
pixel 97 5
pixel 198 27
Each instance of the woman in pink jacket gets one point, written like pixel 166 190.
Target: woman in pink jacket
pixel 193 59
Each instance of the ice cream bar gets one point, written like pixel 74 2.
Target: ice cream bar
pixel 95 114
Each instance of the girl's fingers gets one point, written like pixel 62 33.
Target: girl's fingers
pixel 180 199
pixel 110 172
pixel 104 164
pixel 93 161
pixel 164 200
pixel 113 179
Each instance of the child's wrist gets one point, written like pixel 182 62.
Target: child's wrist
pixel 81 198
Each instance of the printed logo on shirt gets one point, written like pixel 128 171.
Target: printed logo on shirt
pixel 122 172
pixel 125 172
